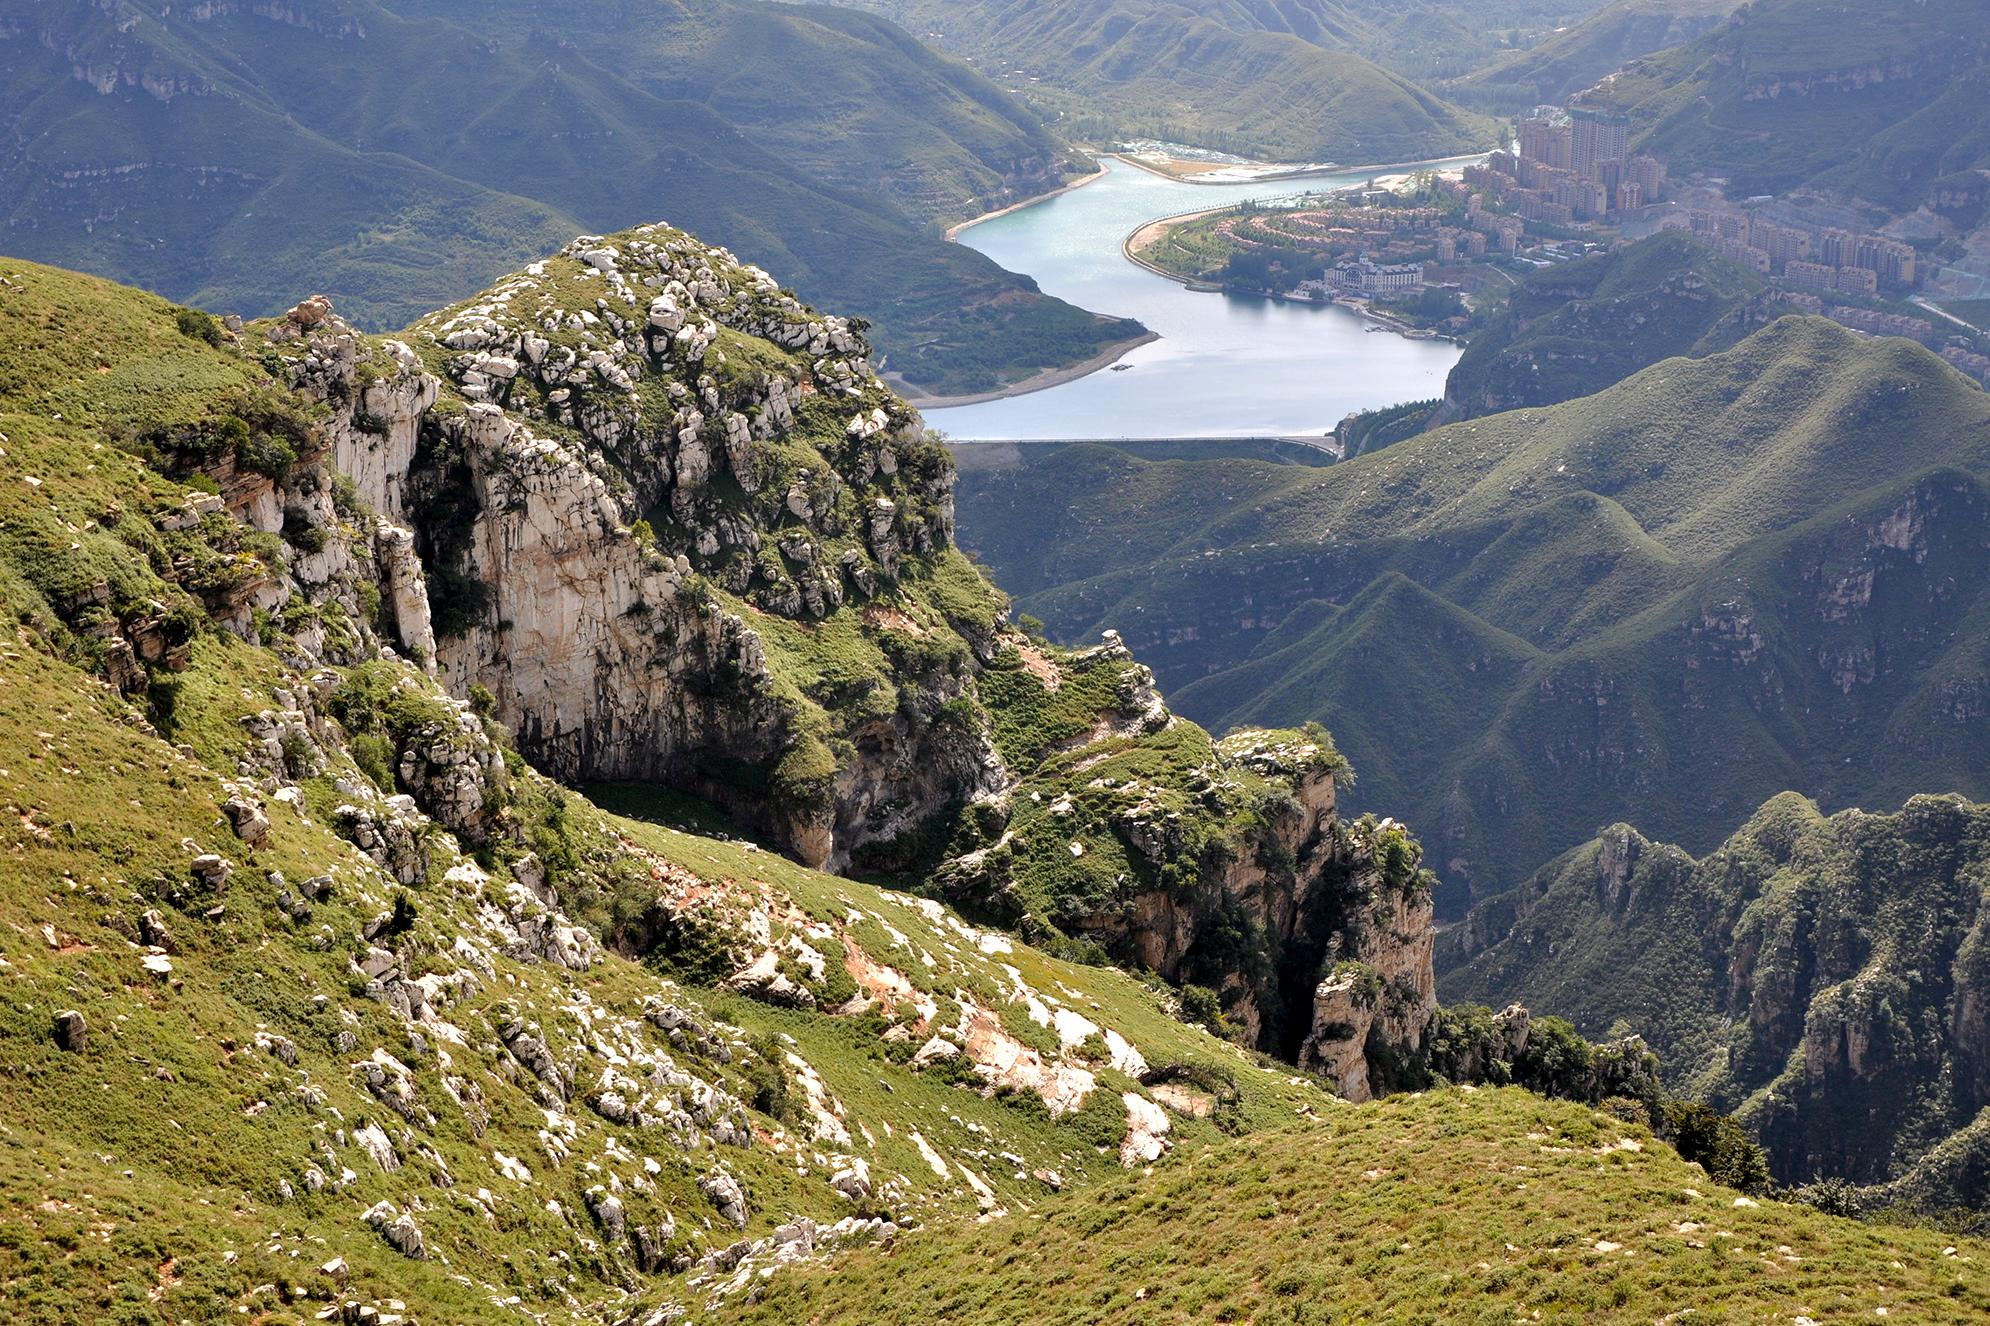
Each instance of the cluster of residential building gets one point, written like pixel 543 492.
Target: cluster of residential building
pixel 1382 280
pixel 1384 234
pixel 1868 320
pixel 1967 361
pixel 1572 166
pixel 1824 259
pixel 1956 351
pixel 1573 169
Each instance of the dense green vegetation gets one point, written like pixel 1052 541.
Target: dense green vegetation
pixel 1574 329
pixel 1284 82
pixel 1545 1208
pixel 1868 101
pixel 1822 977
pixel 1371 430
pixel 1715 580
pixel 397 157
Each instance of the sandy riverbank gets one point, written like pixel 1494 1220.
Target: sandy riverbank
pixel 1272 171
pixel 953 231
pixel 1048 378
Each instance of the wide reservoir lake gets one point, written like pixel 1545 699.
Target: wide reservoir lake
pixel 1223 366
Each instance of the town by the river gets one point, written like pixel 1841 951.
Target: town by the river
pixel 1221 366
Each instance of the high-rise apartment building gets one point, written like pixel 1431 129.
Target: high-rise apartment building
pixel 1891 260
pixel 1597 136
pixel 1836 248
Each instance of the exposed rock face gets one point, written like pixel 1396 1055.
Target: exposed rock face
pixel 1381 991
pixel 406 592
pixel 398 1229
pixel 1147 1128
pixel 576 455
pixel 1824 978
pixel 384 404
pixel 1343 1014
pixel 625 491
pixel 1311 889
pixel 71 1031
pixel 726 1194
pixel 1237 875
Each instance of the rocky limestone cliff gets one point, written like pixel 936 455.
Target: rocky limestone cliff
pixel 613 464
pixel 642 515
pixel 1825 978
pixel 1106 846
pixel 673 525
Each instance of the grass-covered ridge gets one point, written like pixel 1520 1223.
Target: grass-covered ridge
pixel 1449 1206
pixel 303 995
pixel 258 1026
pixel 1574 329
pixel 1580 55
pixel 320 1003
pixel 1286 85
pixel 1621 605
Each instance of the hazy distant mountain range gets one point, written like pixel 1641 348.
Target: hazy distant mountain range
pixel 397 154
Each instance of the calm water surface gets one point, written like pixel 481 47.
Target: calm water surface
pixel 1223 367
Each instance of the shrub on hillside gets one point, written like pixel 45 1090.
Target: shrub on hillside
pixel 1717 1144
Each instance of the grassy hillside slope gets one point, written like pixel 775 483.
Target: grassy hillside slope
pixel 1546 1211
pixel 397 158
pixel 1876 102
pixel 297 995
pixel 322 1004
pixel 1575 329
pixel 1286 82
pixel 1716 580
pixel 1564 63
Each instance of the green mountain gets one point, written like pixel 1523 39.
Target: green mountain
pixel 1712 581
pixel 1823 977
pixel 299 621
pixel 1286 82
pixel 1438 41
pixel 1876 103
pixel 1574 329
pixel 1578 56
pixel 277 874
pixel 399 156
pixel 1549 1210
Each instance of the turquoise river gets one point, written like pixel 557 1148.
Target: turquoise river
pixel 1222 366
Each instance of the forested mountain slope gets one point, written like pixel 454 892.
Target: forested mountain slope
pixel 1716 580
pixel 1580 55
pixel 1575 328
pixel 1880 103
